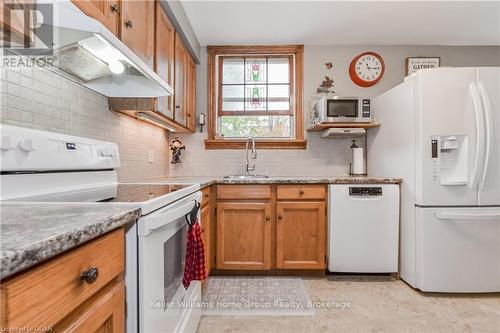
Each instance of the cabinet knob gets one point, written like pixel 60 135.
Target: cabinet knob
pixel 177 107
pixel 128 24
pixel 90 276
pixel 268 218
pixel 301 192
pixel 206 195
pixel 114 8
pixel 280 217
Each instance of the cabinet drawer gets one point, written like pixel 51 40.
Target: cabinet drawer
pixel 46 294
pixel 205 196
pixel 291 192
pixel 243 192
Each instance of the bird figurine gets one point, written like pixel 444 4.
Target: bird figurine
pixel 326 85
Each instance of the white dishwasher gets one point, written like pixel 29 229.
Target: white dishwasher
pixel 363 228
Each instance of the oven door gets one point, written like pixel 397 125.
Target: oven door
pixel 164 304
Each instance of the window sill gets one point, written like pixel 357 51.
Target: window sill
pixel 260 144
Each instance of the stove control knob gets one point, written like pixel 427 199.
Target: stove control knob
pixel 27 145
pixel 7 143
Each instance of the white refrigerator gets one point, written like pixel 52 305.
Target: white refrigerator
pixel 440 132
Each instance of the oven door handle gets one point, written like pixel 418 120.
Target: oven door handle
pixel 151 223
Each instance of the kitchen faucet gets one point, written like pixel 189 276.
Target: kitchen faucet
pixel 254 155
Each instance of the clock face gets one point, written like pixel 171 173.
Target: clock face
pixel 366 69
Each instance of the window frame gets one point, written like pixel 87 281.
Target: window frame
pixel 214 77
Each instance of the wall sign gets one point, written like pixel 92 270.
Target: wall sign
pixel 413 64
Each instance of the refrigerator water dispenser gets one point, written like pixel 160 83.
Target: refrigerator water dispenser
pixel 452 159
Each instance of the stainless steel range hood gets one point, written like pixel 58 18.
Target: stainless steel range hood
pixel 88 53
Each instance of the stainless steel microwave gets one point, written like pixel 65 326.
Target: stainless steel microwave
pixel 342 109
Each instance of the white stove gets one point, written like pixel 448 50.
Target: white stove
pixel 45 167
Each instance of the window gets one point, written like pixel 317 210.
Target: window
pixel 255 91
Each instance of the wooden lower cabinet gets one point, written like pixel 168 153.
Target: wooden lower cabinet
pixel 300 235
pixel 244 235
pixel 258 229
pixel 58 295
pixel 205 231
pixel 105 315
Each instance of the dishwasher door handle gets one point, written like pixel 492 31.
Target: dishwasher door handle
pixel 365 197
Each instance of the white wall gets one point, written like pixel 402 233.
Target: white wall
pixel 322 156
pixel 38 98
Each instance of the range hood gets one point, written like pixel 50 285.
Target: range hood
pixel 86 52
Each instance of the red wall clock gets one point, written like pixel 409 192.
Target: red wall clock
pixel 366 69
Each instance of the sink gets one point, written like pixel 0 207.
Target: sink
pixel 245 177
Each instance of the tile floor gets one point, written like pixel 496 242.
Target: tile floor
pixel 377 304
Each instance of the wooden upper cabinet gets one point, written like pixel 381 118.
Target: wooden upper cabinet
pixel 244 235
pixel 180 88
pixel 191 95
pixel 138 28
pixel 164 59
pixel 104 11
pixel 300 235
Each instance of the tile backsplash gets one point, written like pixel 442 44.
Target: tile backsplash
pixel 40 99
pixel 322 157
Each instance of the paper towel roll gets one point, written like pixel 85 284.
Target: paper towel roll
pixel 358 164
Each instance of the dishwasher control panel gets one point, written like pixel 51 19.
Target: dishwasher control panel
pixel 365 191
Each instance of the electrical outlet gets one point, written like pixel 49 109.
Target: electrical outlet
pixel 151 156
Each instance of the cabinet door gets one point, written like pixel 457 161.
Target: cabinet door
pixel 191 94
pixel 164 60
pixel 205 231
pixel 137 28
pixel 244 236
pixel 105 315
pixel 300 235
pixel 180 81
pixel 104 11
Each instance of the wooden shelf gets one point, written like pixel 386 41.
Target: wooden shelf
pixel 324 126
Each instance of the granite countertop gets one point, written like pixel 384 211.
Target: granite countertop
pixel 32 232
pixel 338 179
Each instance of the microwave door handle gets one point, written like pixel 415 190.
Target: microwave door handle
pixel 151 223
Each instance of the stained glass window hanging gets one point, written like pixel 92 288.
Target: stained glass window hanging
pixel 256 70
pixel 251 84
pixel 255 97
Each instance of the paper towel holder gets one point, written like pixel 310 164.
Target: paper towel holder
pixel 351 171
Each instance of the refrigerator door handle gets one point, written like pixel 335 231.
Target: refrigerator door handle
pixel 489 130
pixel 478 113
pixel 459 216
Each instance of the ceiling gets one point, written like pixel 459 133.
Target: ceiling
pixel 345 23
